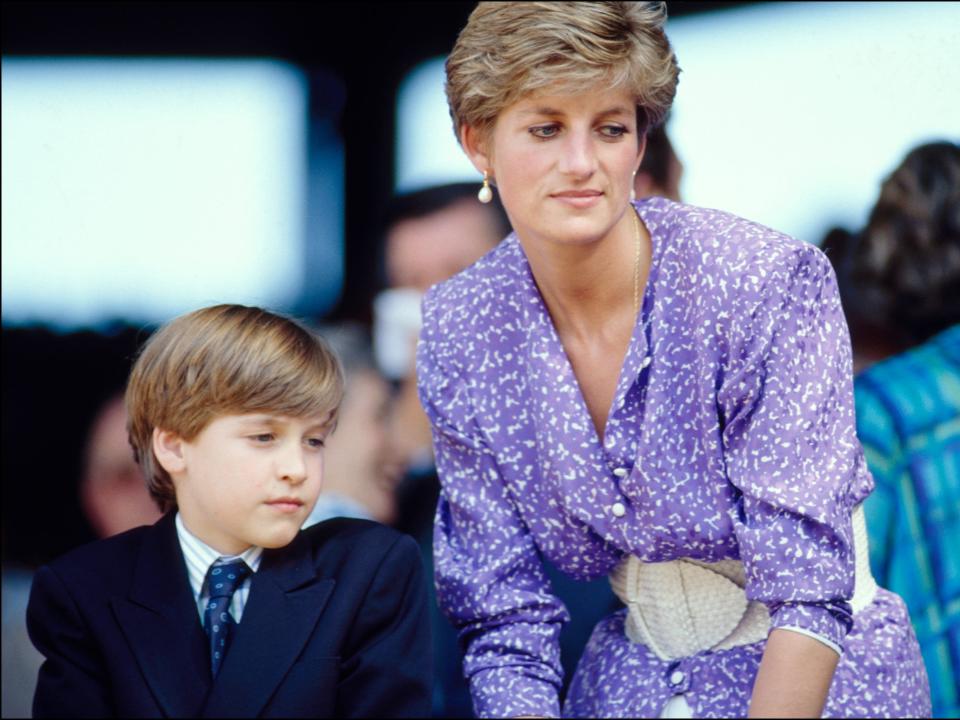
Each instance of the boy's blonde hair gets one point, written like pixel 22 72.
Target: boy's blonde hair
pixel 510 49
pixel 221 360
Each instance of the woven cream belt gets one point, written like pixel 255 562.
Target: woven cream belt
pixel 682 607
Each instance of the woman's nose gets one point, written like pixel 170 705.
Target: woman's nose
pixel 579 157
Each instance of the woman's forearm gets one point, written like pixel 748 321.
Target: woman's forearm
pixel 794 677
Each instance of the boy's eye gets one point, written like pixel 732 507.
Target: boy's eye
pixel 544 131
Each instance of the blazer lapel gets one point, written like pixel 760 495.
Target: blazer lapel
pixel 162 625
pixel 285 602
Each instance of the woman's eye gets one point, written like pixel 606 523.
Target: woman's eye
pixel 263 437
pixel 316 442
pixel 613 131
pixel 544 131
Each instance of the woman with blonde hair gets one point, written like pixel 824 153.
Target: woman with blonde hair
pixel 648 390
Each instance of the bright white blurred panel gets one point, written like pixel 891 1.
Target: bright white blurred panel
pixel 790 114
pixel 427 151
pixel 139 189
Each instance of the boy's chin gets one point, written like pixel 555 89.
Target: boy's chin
pixel 278 539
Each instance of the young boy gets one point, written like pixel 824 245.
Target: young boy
pixel 224 607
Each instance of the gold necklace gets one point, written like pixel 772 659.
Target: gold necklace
pixel 636 262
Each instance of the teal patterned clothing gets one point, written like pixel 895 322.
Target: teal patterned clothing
pixel 908 419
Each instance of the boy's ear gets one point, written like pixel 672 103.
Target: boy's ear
pixel 168 447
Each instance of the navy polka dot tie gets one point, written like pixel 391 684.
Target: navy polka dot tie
pixel 222 581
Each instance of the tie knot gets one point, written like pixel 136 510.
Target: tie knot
pixel 226 578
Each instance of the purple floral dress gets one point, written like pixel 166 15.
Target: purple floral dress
pixel 731 435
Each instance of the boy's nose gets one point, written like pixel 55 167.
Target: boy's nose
pixel 293 467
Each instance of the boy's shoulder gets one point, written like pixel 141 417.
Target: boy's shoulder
pixel 353 534
pixel 355 541
pixel 105 563
pixel 337 547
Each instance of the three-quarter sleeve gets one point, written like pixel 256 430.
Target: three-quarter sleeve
pixel 489 576
pixel 790 444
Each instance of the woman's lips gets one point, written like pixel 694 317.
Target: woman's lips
pixel 578 198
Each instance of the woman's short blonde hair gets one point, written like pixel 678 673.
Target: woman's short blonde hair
pixel 226 359
pixel 510 49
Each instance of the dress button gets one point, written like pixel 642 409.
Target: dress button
pixel 618 509
pixel 620 472
pixel 646 361
pixel 677 677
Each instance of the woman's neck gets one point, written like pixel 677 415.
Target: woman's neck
pixel 589 288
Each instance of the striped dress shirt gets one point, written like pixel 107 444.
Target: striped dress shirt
pixel 199 557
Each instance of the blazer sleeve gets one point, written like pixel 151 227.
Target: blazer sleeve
pixel 389 671
pixel 72 681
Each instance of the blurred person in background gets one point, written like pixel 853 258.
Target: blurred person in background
pixel 75 373
pixel 21 661
pixel 430 235
pixel 361 465
pixel 113 493
pixel 898 277
pixel 661 171
pixel 900 283
pixel 113 498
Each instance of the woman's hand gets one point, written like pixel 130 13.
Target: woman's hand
pixel 794 677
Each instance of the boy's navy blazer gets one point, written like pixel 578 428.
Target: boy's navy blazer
pixel 335 624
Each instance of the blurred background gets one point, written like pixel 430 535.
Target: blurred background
pixel 161 156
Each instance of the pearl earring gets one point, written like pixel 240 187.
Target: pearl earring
pixel 486 194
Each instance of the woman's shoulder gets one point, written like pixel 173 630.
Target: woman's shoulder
pixel 716 245
pixel 486 290
pixel 719 234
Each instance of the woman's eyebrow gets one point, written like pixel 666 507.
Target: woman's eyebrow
pixel 553 112
pixel 541 111
pixel 618 110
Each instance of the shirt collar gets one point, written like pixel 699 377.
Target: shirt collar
pixel 199 556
